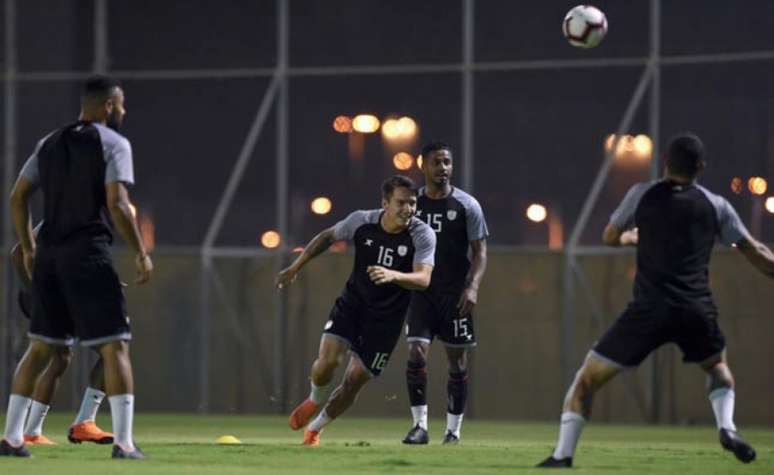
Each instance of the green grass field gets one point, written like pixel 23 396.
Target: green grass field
pixel 184 444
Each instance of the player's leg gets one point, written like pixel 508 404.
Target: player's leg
pixel 355 377
pixel 119 386
pixel 640 330
pixel 29 369
pixel 416 382
pixel 594 373
pixel 330 355
pixel 457 391
pixel 84 428
pixel 421 327
pixel 720 385
pixel 44 392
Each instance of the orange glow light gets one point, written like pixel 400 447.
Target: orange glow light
pixel 757 185
pixel 321 205
pixel 270 239
pixel 365 124
pixel 736 185
pixel 342 124
pixel 402 161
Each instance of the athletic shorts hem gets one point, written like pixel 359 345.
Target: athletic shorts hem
pixel 701 360
pixel 362 364
pixel 124 336
pixel 412 339
pixel 336 337
pixel 609 361
pixel 52 341
pixel 459 345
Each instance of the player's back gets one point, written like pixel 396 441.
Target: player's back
pixel 72 167
pixel 678 225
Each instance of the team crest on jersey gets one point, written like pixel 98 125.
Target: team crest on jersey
pixel 402 251
pixel 451 214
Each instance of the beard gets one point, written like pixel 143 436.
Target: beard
pixel 114 121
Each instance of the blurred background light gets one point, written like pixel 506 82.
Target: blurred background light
pixel 270 239
pixel 365 124
pixel 757 185
pixel 537 213
pixel 402 161
pixel 737 185
pixel 321 205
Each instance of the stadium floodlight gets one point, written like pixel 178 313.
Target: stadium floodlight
pixel 643 147
pixel 402 160
pixel 770 204
pixel 270 239
pixel 321 205
pixel 536 213
pixel 407 127
pixel 390 129
pixel 757 185
pixel 342 124
pixel 365 123
pixel 737 185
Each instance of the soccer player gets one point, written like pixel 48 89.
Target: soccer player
pixel 83 170
pixel 445 308
pixel 674 222
pixel 84 429
pixel 393 255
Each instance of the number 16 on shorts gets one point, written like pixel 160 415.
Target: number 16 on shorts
pixel 380 361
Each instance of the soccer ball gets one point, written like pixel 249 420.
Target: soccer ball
pixel 584 26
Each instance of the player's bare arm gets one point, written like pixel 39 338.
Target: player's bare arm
pixel 616 237
pixel 759 255
pixel 316 246
pixel 469 296
pixel 20 214
pixel 419 279
pixel 126 224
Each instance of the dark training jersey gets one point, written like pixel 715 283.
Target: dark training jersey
pixel 72 165
pixel 678 225
pixel 457 220
pixel 375 246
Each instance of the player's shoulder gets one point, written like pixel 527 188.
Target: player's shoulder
pixel 110 137
pixel 420 230
pixel 468 201
pixel 360 217
pixel 718 201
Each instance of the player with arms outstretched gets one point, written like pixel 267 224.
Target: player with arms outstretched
pixel 445 309
pixel 393 255
pixel 674 224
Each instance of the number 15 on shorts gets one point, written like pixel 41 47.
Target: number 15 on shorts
pixel 380 361
pixel 461 329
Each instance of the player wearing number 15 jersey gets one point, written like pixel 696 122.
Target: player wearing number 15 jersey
pixel 394 254
pixel 445 308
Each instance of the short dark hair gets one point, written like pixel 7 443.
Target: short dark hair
pixel 397 181
pixel 685 155
pixel 99 87
pixel 434 147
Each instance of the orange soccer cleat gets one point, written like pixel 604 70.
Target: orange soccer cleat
pixel 312 437
pixel 300 416
pixel 38 440
pixel 87 431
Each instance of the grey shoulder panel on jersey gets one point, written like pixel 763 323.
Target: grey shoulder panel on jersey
pixel 474 215
pixel 732 230
pixel 31 170
pixel 423 238
pixel 345 229
pixel 118 155
pixel 623 216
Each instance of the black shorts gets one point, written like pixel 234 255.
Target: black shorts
pixel 371 337
pixel 76 294
pixel 433 315
pixel 642 328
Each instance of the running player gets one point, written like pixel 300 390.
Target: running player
pixel 83 170
pixel 393 255
pixel 445 308
pixel 84 429
pixel 674 223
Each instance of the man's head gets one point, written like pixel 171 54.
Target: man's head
pixel 437 163
pixel 399 199
pixel 102 100
pixel 685 156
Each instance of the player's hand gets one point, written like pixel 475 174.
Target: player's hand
pixel 630 237
pixel 144 266
pixel 380 275
pixel 286 277
pixel 467 301
pixel 29 261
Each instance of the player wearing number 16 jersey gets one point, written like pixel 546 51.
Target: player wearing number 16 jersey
pixel 445 308
pixel 394 254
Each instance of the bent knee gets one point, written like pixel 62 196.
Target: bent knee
pixel 417 353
